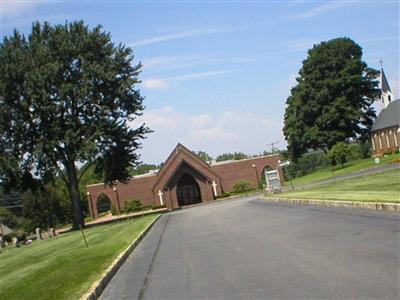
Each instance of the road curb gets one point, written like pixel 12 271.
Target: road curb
pixel 98 287
pixel 333 203
pixel 260 192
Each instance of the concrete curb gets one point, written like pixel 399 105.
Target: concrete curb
pixel 220 200
pixel 332 203
pixel 98 286
pixel 116 219
pixel 259 192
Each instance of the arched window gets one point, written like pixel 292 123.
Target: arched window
pixel 103 203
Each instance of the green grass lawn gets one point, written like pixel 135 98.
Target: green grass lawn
pixel 381 187
pixel 350 167
pixel 62 267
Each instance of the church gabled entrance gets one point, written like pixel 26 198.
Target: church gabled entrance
pixel 188 191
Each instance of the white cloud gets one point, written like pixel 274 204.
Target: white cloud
pixel 13 9
pixel 303 44
pixel 217 133
pixel 206 74
pixel 378 39
pixel 324 8
pixel 289 83
pixel 155 84
pixel 200 121
pixel 175 61
pixel 395 87
pixel 165 83
pixel 295 3
pixel 175 36
pixel 204 30
pixel 162 118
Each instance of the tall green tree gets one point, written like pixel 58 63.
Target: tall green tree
pixel 332 101
pixel 204 156
pixel 45 208
pixel 67 98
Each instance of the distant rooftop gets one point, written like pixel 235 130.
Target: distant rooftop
pixel 149 173
pixel 216 163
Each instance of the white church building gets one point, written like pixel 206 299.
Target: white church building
pixel 385 132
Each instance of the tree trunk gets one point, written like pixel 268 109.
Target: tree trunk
pixel 75 196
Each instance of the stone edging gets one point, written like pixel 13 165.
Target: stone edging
pixel 98 286
pixel 332 203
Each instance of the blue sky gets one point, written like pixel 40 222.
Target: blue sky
pixel 217 74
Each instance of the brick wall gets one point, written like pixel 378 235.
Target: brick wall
pixel 247 169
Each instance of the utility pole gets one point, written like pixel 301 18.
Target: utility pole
pixel 272 146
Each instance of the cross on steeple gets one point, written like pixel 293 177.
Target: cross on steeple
pixel 386 95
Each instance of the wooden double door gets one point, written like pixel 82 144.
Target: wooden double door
pixel 188 191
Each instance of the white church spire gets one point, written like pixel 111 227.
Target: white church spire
pixel 386 95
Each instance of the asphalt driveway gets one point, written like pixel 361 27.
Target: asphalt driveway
pixel 249 248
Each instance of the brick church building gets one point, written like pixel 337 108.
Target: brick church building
pixel 183 179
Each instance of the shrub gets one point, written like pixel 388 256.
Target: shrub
pixel 339 152
pixel 147 207
pixel 223 195
pixel 241 186
pixel 396 160
pixel 355 152
pixel 365 149
pixel 132 206
pixel 306 164
pixel 114 210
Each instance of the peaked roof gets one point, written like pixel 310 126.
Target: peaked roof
pixel 178 155
pixel 388 117
pixel 384 82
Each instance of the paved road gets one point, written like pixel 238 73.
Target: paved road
pixel 362 172
pixel 254 249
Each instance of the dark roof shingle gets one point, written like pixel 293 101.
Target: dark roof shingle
pixel 388 117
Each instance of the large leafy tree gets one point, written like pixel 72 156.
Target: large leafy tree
pixel 332 101
pixel 67 98
pixel 204 156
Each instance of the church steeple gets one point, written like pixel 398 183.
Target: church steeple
pixel 386 95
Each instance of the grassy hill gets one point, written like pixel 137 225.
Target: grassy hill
pixel 62 267
pixel 348 168
pixel 381 187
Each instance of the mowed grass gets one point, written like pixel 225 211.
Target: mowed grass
pixel 62 267
pixel 381 187
pixel 348 168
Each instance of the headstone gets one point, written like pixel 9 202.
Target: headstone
pixel 377 160
pixel 38 235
